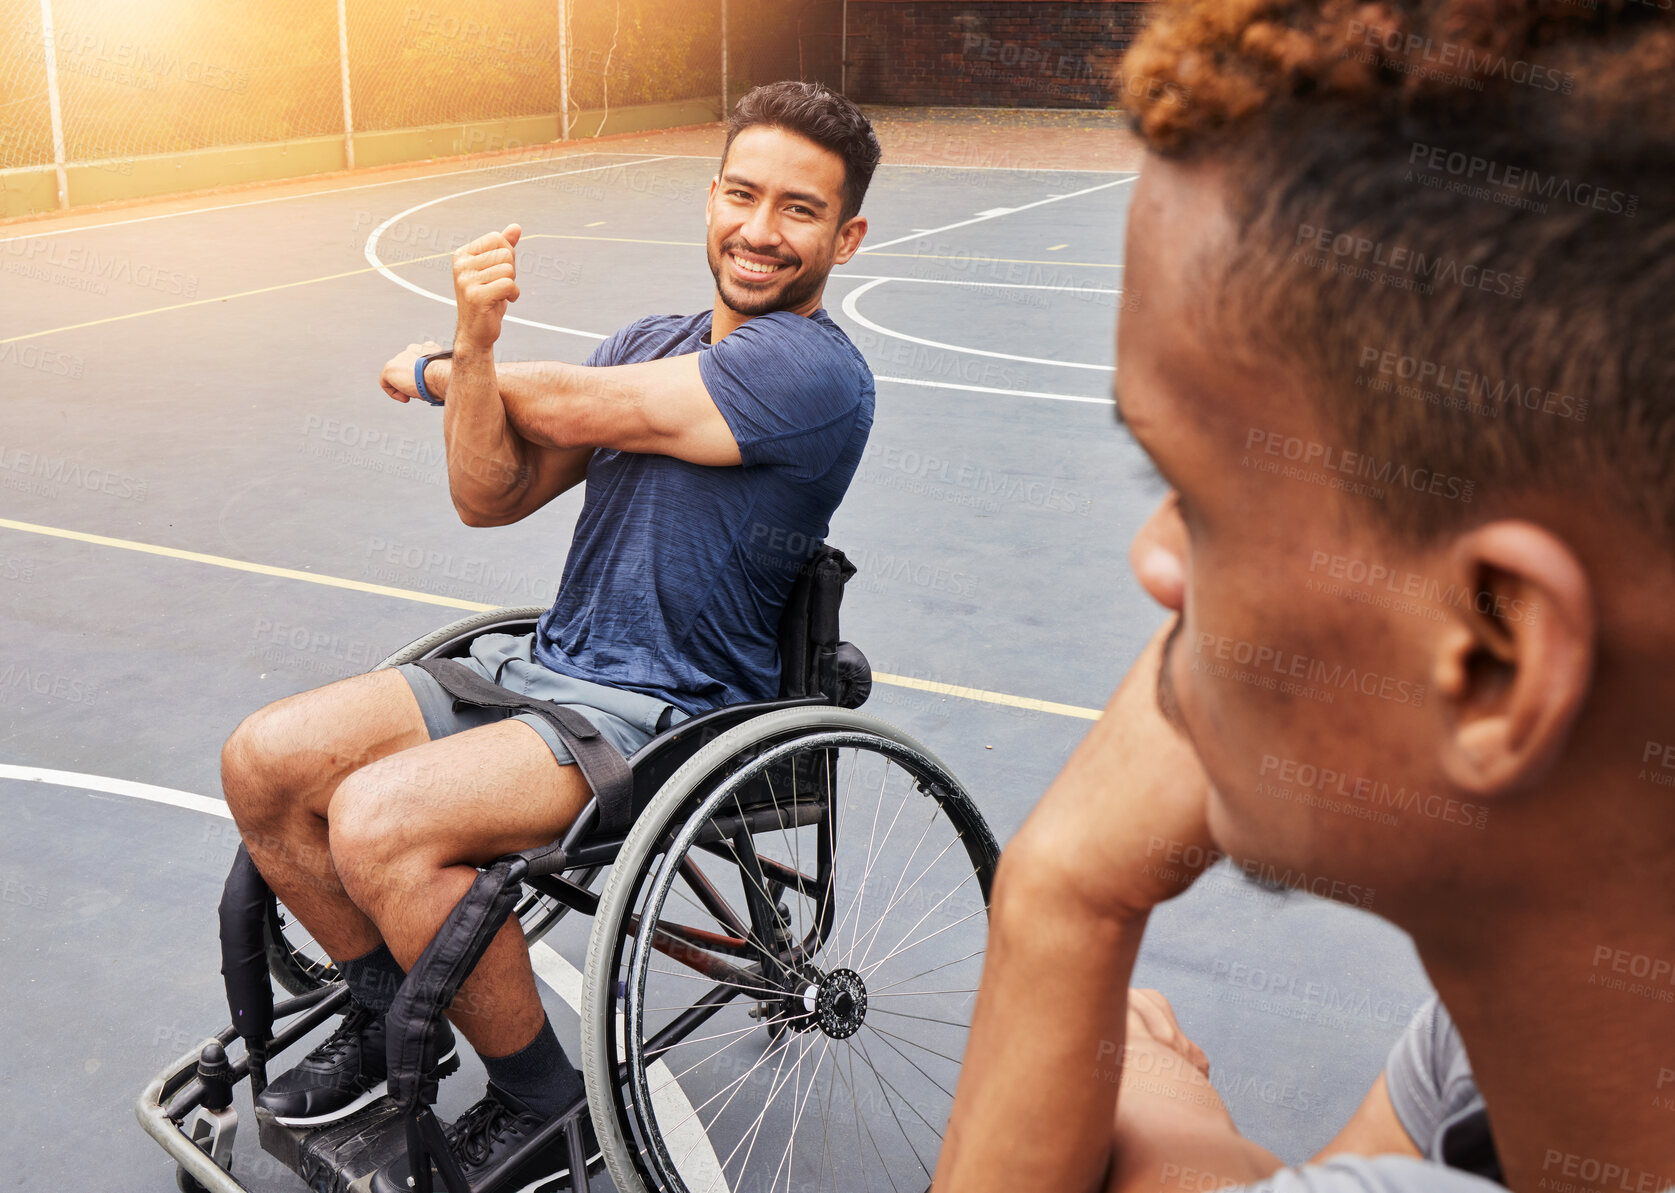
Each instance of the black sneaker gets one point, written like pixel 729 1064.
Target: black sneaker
pixel 344 1073
pixel 486 1134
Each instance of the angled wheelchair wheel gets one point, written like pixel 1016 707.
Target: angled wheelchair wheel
pixel 296 962
pixel 782 970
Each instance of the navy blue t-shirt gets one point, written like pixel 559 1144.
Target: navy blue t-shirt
pixel 678 572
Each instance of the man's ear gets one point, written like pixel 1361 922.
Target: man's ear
pixel 1514 666
pixel 849 240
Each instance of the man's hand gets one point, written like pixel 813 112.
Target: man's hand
pixel 1124 825
pixel 485 280
pixel 1036 1098
pixel 397 378
pixel 1152 1026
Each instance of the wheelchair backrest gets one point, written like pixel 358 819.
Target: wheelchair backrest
pixel 813 660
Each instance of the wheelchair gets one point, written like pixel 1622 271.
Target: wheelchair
pixel 772 996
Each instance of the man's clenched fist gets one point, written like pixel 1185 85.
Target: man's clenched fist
pixel 485 280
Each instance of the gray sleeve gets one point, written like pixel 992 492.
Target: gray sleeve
pixel 1373 1174
pixel 1429 1077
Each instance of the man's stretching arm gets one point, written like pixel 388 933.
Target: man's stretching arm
pixel 1041 1103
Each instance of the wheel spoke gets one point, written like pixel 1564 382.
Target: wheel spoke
pixel 804 919
pixel 888 1036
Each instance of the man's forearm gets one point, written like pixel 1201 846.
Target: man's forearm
pixel 487 465
pixel 532 397
pixel 1038 1086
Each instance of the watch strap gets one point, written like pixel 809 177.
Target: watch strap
pixel 419 374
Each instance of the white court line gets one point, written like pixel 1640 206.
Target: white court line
pixel 892 277
pixel 145 791
pixel 549 965
pixel 701 1168
pixel 371 251
pixel 359 186
pixel 984 389
pixel 854 312
pixel 996 214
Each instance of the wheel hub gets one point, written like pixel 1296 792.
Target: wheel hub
pixel 841 1005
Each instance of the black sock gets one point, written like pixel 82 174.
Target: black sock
pixel 539 1075
pixel 373 979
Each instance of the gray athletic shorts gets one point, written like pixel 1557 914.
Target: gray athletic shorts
pixel 628 719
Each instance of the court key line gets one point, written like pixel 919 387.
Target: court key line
pixel 853 310
pixel 996 213
pixel 332 277
pixel 901 681
pixel 525 161
pixel 370 250
pixel 377 267
pixel 549 964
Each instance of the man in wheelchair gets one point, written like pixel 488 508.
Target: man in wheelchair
pixel 709 444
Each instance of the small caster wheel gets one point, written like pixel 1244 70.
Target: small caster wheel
pixel 186 1182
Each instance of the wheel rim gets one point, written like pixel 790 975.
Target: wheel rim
pixel 832 1056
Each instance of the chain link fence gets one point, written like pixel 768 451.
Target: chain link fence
pixel 135 79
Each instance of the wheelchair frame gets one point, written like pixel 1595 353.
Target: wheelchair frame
pixel 187 1107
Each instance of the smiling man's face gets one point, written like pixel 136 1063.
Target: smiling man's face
pixel 776 223
pixel 1294 683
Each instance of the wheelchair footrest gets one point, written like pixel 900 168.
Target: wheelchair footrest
pixel 339 1157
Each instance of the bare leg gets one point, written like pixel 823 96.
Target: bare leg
pixel 407 831
pixel 279 771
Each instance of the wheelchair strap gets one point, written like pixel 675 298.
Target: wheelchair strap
pixel 602 764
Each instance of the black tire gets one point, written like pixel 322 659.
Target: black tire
pixel 297 964
pixel 438 641
pixel 784 773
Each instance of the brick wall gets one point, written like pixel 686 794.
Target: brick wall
pixel 989 53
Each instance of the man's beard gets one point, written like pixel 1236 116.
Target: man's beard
pixel 753 303
pixel 1168 701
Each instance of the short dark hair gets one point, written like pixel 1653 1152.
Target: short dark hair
pixel 1534 150
pixel 821 115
